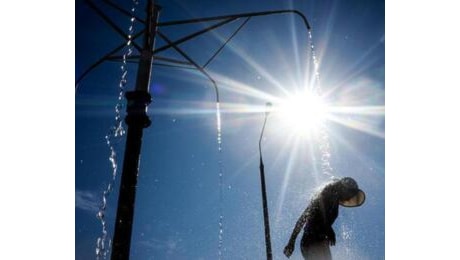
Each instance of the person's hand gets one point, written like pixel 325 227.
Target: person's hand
pixel 289 249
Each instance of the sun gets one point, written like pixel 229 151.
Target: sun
pixel 302 113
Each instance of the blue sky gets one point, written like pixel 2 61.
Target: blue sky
pixel 177 203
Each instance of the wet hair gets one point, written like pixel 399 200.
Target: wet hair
pixel 347 188
pixel 339 189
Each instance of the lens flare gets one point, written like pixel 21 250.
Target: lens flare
pixel 303 113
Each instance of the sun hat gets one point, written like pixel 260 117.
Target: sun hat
pixel 350 186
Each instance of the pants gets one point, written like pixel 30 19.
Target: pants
pixel 316 251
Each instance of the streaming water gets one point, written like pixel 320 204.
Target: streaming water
pixel 347 234
pixel 103 242
pixel 323 140
pixel 323 143
pixel 221 184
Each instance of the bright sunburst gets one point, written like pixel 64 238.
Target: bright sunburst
pixel 302 113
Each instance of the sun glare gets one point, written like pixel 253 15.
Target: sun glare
pixel 302 113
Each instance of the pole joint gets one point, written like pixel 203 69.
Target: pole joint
pixel 138 102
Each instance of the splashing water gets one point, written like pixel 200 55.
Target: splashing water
pixel 347 234
pixel 346 229
pixel 221 184
pixel 323 140
pixel 103 242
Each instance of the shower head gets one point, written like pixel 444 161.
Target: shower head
pixel 268 108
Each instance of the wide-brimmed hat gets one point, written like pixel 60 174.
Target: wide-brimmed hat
pixel 358 196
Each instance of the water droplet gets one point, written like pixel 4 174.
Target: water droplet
pixel 219 148
pixel 116 130
pixel 323 143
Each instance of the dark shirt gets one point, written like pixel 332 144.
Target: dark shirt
pixel 320 215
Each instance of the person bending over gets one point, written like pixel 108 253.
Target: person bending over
pixel 319 216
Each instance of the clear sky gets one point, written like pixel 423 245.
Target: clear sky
pixel 177 203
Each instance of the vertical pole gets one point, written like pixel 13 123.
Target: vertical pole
pixel 136 119
pixel 268 245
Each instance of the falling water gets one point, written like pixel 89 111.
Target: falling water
pixel 103 242
pixel 221 197
pixel 323 141
pixel 325 150
pixel 219 129
pixel 346 231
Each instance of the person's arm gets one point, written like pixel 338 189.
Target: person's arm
pixel 333 212
pixel 298 227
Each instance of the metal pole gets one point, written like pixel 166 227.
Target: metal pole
pixel 268 245
pixel 137 120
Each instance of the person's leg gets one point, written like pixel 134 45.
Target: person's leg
pixel 317 251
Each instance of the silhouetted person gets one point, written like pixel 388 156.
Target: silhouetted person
pixel 319 216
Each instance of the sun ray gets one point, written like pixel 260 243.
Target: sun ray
pixel 257 67
pixel 361 64
pixel 360 125
pixel 352 150
pixel 358 110
pixel 329 29
pixel 295 47
pixel 293 158
pixel 234 86
pixel 243 168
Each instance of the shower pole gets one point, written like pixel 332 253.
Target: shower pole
pixel 139 99
pixel 268 245
pixel 136 119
